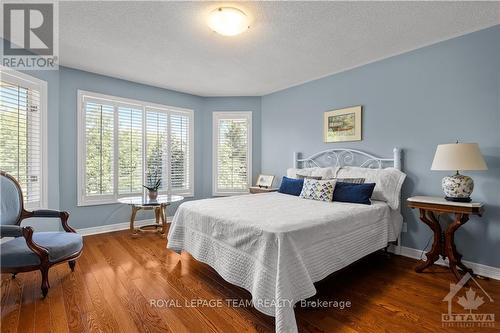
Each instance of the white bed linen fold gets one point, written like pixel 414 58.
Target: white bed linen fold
pixel 276 245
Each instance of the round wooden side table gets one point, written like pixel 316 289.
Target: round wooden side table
pixel 159 206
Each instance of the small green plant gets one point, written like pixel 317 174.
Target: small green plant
pixel 153 181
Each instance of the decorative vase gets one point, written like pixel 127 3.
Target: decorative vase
pixel 152 195
pixel 458 187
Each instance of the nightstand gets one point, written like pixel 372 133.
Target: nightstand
pixel 444 243
pixel 256 189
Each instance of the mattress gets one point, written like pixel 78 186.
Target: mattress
pixel 276 245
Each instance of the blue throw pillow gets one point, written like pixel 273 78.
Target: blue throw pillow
pixel 291 186
pixel 353 193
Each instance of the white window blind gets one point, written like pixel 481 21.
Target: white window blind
pixel 21 135
pixel 99 142
pixel 232 152
pixel 157 145
pixel 123 143
pixel 130 150
pixel 180 152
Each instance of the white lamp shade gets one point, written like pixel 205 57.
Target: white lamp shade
pixel 458 156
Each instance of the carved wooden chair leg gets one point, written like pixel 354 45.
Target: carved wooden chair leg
pixel 72 264
pixel 45 280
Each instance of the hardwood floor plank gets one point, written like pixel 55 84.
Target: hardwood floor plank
pixel 27 314
pixel 42 306
pixel 118 276
pixel 145 318
pixel 99 305
pixel 117 311
pixel 12 304
pixel 222 317
pixel 79 309
pixel 58 315
pixel 209 318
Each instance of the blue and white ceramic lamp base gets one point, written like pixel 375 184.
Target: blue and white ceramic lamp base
pixel 458 188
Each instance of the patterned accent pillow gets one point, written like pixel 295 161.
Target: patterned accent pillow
pixel 321 190
pixel 351 180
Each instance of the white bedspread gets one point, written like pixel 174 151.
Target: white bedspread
pixel 276 245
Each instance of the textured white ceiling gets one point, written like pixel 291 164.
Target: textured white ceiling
pixel 168 44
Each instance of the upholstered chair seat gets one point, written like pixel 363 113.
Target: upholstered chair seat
pixel 30 250
pixel 60 245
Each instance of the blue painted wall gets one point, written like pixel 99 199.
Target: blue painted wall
pixel 415 101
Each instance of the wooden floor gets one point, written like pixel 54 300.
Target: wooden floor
pixel 118 276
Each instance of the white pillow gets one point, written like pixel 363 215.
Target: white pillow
pixel 324 173
pixel 388 182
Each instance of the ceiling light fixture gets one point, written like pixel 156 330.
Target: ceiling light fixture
pixel 228 21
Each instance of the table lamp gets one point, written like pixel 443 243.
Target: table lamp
pixel 458 157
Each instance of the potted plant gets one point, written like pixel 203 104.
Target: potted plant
pixel 153 184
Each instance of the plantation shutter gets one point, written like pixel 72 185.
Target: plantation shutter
pixel 130 150
pixel 125 144
pixel 99 148
pixel 180 152
pixel 232 151
pixel 21 138
pixel 157 147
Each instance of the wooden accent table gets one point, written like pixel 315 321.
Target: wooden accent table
pixel 159 206
pixel 444 243
pixel 256 189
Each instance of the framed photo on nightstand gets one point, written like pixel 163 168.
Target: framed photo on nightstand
pixel 265 181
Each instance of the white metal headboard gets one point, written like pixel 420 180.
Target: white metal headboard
pixel 338 157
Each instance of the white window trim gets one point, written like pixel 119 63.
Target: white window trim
pixel 216 116
pixel 29 81
pixel 82 199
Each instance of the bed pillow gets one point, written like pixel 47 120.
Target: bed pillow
pixel 353 193
pixel 299 176
pixel 324 173
pixel 388 182
pixel 351 180
pixel 321 190
pixel 291 186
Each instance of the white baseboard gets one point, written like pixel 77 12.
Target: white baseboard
pixel 115 227
pixel 484 270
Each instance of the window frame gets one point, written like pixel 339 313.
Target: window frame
pixel 85 200
pixel 31 82
pixel 219 115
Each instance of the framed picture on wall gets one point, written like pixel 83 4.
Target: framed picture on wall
pixel 343 124
pixel 265 181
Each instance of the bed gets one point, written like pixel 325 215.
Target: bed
pixel 277 245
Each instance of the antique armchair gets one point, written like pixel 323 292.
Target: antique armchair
pixel 29 250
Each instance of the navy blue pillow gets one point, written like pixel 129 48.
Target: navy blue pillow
pixel 291 186
pixel 353 193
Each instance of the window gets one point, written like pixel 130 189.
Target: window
pixel 23 135
pixel 232 152
pixel 121 141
